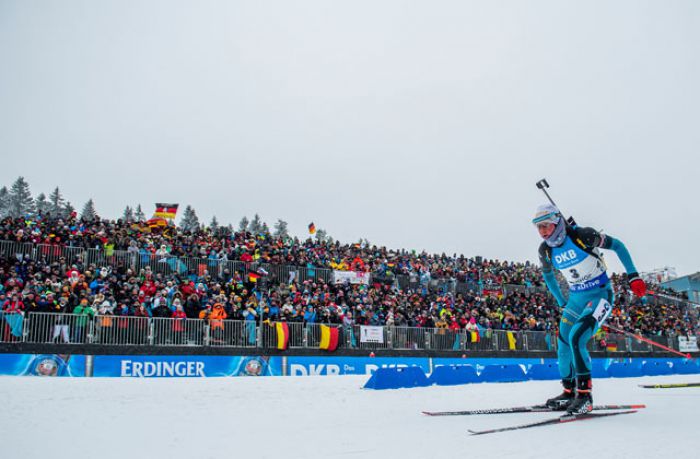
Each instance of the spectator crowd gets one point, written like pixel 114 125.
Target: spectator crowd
pixel 73 285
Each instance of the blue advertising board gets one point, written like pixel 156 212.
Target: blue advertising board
pixel 42 365
pixel 322 365
pixel 169 366
pixel 160 366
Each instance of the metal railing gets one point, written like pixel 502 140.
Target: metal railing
pixel 56 328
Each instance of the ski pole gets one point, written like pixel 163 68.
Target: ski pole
pixel 646 340
pixel 668 386
pixel 639 337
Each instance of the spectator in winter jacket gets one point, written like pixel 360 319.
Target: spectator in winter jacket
pixel 216 321
pixel 13 315
pixel 178 325
pixel 85 313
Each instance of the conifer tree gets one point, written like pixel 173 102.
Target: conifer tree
pixel 281 229
pixel 243 225
pixel 57 204
pixel 20 199
pixel 190 221
pixel 89 212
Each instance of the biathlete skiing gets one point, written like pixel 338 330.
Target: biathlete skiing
pixel 574 252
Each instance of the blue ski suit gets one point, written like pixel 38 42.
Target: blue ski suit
pixel 581 264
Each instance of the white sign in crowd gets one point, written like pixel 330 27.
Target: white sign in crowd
pixel 688 344
pixel 351 277
pixel 371 334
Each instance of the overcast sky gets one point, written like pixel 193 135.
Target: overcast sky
pixel 417 125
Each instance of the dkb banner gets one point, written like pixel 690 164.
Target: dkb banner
pixel 308 366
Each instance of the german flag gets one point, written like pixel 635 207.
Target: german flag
pixel 253 277
pixel 157 222
pixel 329 338
pixel 282 335
pixel 165 210
pixel 611 347
pixel 312 228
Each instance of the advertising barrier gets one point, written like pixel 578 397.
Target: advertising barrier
pixel 331 366
pixel 165 366
pixel 42 365
pixel 198 366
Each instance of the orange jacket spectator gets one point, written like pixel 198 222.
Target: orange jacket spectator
pixel 217 316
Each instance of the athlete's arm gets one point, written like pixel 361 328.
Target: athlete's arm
pixel 548 274
pixel 592 238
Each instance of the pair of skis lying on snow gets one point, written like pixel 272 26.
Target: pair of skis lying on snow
pixel 607 412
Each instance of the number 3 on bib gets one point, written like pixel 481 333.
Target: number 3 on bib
pixel 602 311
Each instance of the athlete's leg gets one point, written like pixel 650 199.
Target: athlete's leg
pixel 565 360
pixel 566 365
pixel 581 332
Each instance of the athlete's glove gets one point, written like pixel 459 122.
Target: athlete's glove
pixel 637 285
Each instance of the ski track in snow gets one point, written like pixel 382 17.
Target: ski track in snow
pixel 322 416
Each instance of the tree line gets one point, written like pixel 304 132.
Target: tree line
pixel 17 201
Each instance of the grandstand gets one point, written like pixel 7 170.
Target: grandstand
pixel 96 281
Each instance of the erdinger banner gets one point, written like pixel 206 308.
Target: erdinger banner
pixel 351 277
pixel 185 366
pixel 42 365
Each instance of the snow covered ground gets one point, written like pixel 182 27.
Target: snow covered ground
pixel 309 417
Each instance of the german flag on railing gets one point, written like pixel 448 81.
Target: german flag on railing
pixel 282 335
pixel 329 338
pixel 165 210
pixel 253 277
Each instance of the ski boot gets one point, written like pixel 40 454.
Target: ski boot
pixel 562 402
pixel 583 403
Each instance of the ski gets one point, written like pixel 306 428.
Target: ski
pixel 525 409
pixel 552 421
pixel 669 386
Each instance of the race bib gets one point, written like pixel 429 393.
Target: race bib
pixel 602 311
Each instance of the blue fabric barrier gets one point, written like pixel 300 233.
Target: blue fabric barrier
pixel 503 373
pixel 656 368
pixel 396 378
pixel 450 375
pixel 599 369
pixel 685 367
pixel 625 369
pixel 544 372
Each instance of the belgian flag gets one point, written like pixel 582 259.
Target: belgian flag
pixel 282 335
pixel 329 338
